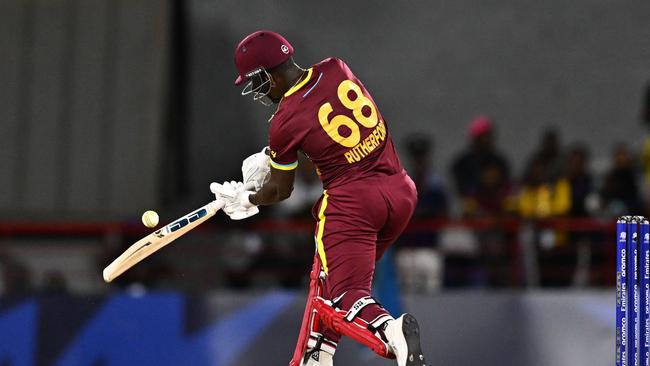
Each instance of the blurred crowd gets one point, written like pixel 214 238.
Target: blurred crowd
pixel 557 187
pixel 557 181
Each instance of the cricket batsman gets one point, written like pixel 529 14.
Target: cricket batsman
pixel 325 112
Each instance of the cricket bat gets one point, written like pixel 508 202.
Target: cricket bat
pixel 159 238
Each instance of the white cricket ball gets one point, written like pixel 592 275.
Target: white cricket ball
pixel 150 219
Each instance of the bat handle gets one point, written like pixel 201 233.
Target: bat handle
pixel 216 205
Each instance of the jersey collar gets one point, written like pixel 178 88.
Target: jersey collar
pixel 302 83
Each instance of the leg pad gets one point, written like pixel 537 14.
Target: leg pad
pixel 355 329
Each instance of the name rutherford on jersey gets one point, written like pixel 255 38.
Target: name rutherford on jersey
pixel 368 145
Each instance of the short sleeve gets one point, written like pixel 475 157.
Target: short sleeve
pixel 285 140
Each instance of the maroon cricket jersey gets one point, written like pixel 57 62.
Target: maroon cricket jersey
pixel 332 118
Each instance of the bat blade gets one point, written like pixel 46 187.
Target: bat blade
pixel 158 239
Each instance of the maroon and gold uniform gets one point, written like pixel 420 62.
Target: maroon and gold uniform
pixel 331 117
pixel 368 197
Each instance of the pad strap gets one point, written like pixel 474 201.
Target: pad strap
pixel 318 342
pixel 358 305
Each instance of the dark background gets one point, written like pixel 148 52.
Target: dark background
pixel 109 108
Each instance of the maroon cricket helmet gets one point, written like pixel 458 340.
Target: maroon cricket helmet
pixel 261 49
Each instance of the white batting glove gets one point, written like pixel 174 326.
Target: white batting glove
pixel 256 169
pixel 235 195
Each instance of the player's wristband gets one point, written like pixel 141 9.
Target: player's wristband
pixel 279 166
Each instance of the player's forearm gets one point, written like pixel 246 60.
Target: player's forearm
pixel 269 194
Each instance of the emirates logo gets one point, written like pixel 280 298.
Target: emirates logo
pixel 284 49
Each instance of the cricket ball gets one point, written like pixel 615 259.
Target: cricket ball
pixel 150 219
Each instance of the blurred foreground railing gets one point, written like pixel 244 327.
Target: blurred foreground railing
pixel 431 254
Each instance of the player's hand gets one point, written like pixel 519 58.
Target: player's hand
pixel 235 195
pixel 256 169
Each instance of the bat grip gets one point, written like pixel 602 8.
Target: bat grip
pixel 216 205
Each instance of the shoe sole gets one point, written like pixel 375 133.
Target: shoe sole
pixel 411 331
